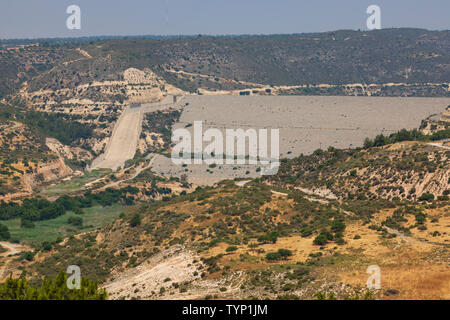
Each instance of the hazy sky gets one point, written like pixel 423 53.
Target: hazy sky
pixel 47 18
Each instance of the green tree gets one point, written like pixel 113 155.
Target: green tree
pixel 25 223
pixel 270 237
pixel 337 226
pixel 46 246
pixel 306 232
pixel 4 233
pixel 135 220
pixel 20 289
pixel 272 256
pixel 426 197
pixel 75 221
pixel 323 238
pixel 284 253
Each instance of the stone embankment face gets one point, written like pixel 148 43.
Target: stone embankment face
pixel 125 136
pixel 123 142
pixel 305 124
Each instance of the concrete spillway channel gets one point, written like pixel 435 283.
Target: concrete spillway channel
pixel 125 136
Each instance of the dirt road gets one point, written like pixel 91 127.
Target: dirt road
pixel 439 145
pixel 12 247
pixel 138 170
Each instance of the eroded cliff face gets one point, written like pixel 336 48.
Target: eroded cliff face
pixel 145 86
pixel 67 152
pixel 46 172
pixel 436 122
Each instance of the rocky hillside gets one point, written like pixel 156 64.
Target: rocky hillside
pixel 29 157
pixel 253 241
pixel 281 237
pixel 415 60
pixel 405 170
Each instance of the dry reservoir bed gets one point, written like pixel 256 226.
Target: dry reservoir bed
pixel 306 123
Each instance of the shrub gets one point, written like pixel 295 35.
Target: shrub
pixel 426 197
pixel 25 223
pixel 337 226
pixel 77 210
pixel 272 256
pixel 4 232
pixel 280 254
pixel 46 246
pixel 323 238
pixel 284 253
pixel 27 255
pixel 421 218
pixel 270 237
pixel 305 232
pixel 135 220
pixel 75 221
pixel 20 289
pixel 320 240
pixel 231 249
